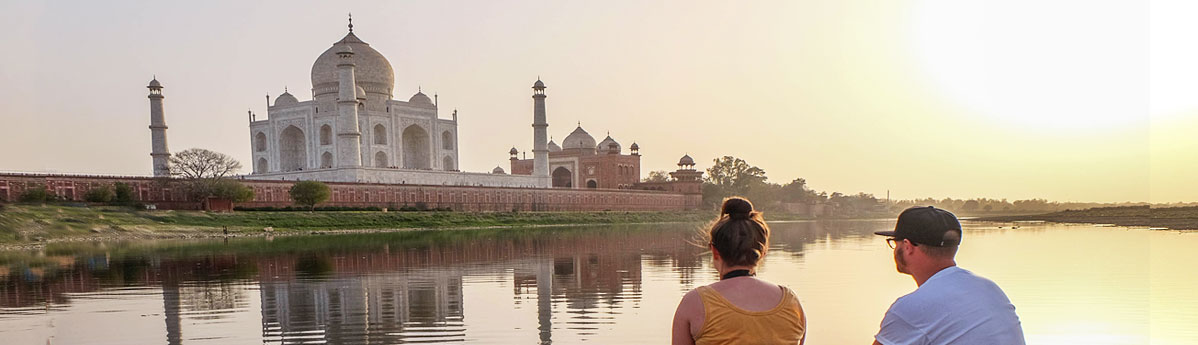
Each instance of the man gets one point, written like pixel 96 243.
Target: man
pixel 950 305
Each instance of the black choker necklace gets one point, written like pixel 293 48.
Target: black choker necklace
pixel 736 273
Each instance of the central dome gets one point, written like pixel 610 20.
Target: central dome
pixel 579 139
pixel 372 71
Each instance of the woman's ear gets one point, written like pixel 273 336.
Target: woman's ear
pixel 715 254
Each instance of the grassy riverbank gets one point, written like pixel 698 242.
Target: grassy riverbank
pixel 26 223
pixel 1179 218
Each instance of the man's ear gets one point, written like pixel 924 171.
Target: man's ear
pixel 715 254
pixel 910 248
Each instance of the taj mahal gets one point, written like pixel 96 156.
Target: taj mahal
pixel 354 130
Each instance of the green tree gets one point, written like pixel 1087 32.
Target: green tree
pixel 657 176
pixel 797 191
pixel 123 193
pixel 309 193
pixel 232 190
pixel 731 176
pixel 102 193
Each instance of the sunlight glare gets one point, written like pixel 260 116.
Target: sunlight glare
pixel 1023 64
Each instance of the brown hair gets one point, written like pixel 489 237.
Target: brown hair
pixel 740 234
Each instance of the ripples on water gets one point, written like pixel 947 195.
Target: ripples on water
pixel 603 285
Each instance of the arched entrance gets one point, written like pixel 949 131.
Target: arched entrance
pixel 415 148
pixel 562 177
pixel 592 184
pixel 293 151
pixel 261 167
pixel 447 163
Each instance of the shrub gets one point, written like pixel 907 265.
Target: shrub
pixel 35 194
pixel 101 193
pixel 122 193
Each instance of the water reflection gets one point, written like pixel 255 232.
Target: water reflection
pixel 564 285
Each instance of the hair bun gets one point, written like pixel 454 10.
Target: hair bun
pixel 737 208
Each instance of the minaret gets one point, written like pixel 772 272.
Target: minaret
pixel 349 145
pixel 158 148
pixel 540 135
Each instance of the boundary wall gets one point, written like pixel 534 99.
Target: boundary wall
pixel 165 193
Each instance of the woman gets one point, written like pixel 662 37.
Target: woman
pixel 739 309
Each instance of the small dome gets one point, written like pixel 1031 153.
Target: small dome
pixel 513 151
pixel 155 83
pixel 686 160
pixel 579 139
pixel 420 99
pixel 497 170
pixel 553 147
pixel 605 145
pixel 285 99
pixel 538 85
pixel 360 92
pixel 634 147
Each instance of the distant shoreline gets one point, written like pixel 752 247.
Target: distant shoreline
pixel 1171 218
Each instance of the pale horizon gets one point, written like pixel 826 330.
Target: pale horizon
pixel 1067 101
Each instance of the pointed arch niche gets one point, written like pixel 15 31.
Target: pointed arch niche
pixel 260 142
pixel 380 134
pixel 416 148
pixel 380 159
pixel 326 135
pixel 326 160
pixel 293 152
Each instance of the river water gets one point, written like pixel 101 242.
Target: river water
pixel 1071 284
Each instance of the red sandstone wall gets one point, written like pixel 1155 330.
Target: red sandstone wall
pixel 165 194
pixel 161 192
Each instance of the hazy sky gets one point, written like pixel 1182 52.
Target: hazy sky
pixel 1064 100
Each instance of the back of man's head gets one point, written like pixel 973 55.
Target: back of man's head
pixel 937 232
pixel 947 251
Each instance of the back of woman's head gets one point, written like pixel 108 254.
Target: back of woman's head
pixel 740 234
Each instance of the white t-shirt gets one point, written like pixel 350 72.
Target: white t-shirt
pixel 954 306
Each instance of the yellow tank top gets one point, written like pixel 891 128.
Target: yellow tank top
pixel 725 323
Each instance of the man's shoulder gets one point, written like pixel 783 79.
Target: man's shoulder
pixel 945 288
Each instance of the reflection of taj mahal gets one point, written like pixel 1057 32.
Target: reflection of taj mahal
pixel 354 131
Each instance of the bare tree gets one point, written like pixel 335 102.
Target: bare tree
pixel 198 163
pixel 206 173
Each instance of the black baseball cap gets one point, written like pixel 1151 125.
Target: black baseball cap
pixel 926 225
